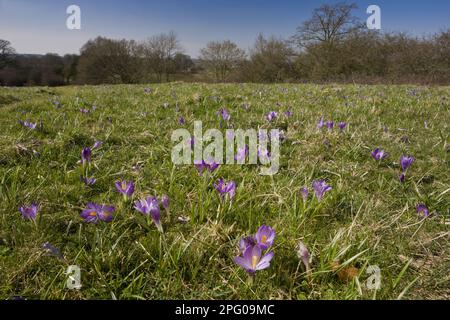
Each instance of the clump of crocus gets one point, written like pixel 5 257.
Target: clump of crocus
pixel 86 155
pixel 150 207
pixel 88 181
pixel 263 155
pixel 165 202
pixel 304 255
pixel 29 212
pixel 225 189
pixel 97 144
pixel 288 113
pixel 379 154
pixel 251 248
pixel 272 115
pixel 49 248
pixel 422 210
pixel 320 123
pixel 224 114
pixel 241 154
pixel 97 212
pixel 126 188
pixel 320 187
pixel 265 236
pixel 405 162
pixel 304 193
pixel 28 124
pixel 330 125
pixel 56 103
pixel 342 125
pixel 209 165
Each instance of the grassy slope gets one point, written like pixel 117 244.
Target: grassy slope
pixel 368 215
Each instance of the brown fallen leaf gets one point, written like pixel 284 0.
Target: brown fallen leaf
pixel 345 274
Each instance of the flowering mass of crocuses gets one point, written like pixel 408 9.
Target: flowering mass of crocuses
pixel 222 191
pixel 252 256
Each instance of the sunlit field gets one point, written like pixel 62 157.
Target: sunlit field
pixel 368 210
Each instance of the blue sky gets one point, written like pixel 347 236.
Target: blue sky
pixel 40 26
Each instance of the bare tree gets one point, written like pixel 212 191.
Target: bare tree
pixel 159 52
pixel 328 24
pixel 105 60
pixel 6 53
pixel 221 58
pixel 270 60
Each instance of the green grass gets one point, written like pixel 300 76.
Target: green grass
pixel 369 217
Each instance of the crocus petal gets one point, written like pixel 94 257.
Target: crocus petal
pixel 244 263
pixel 265 261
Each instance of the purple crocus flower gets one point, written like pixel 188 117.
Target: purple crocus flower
pixel 212 166
pixel 88 181
pixel 242 153
pixel 320 124
pixel 150 206
pixel 378 154
pixel 422 210
pixel 226 188
pixel 125 188
pixel 97 144
pixel 304 192
pixel 29 212
pixel 288 113
pixel 84 111
pixel 272 115
pixel 201 166
pixel 320 187
pixel 245 242
pixel 303 254
pixel 252 259
pixel 224 114
pixel 52 250
pixel 265 237
pixel 147 90
pixel 27 124
pixel 95 212
pixel 56 103
pixel 181 120
pixel 342 125
pixel 406 162
pixel 263 155
pixel 402 177
pixel 330 124
pixel 86 155
pixel 165 202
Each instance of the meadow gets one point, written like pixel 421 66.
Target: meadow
pixel 370 218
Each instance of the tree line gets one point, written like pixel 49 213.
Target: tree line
pixel 333 45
